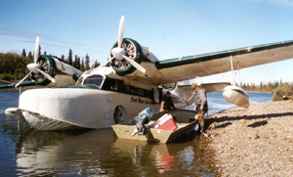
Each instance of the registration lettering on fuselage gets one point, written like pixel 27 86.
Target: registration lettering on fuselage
pixel 140 100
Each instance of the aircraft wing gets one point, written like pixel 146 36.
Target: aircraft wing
pixel 66 68
pixel 188 67
pixel 23 84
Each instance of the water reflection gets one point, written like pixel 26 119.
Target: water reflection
pixel 99 153
pixel 62 153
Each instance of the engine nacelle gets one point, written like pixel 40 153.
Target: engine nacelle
pixel 46 64
pixel 236 95
pixel 132 50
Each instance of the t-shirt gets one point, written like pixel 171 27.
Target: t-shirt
pixel 168 102
pixel 200 99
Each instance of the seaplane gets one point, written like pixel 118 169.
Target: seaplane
pixel 132 79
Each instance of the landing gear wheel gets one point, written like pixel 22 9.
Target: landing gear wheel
pixel 133 51
pixel 120 115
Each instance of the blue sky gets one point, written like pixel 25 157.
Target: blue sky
pixel 169 28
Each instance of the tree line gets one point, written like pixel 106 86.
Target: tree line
pixel 13 65
pixel 265 87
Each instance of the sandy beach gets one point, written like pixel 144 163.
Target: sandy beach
pixel 253 142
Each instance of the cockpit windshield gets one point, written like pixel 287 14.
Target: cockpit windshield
pixel 93 81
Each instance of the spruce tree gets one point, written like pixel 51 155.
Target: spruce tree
pixel 70 57
pixel 30 56
pixel 23 53
pixel 96 64
pixel 82 65
pixel 62 58
pixel 79 64
pixel 40 51
pixel 87 62
pixel 76 62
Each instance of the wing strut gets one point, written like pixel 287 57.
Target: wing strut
pixel 233 72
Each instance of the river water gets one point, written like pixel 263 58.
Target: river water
pixel 98 152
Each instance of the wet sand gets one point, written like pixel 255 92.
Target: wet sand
pixel 253 142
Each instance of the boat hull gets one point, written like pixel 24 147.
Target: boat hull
pixel 185 131
pixel 43 123
pixel 67 108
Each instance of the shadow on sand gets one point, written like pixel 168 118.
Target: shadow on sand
pixel 225 119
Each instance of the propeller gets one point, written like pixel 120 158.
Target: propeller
pixel 46 75
pixel 135 64
pixel 37 49
pixel 119 53
pixel 23 79
pixel 121 31
pixel 35 66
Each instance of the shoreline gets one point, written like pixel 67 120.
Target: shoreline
pixel 257 141
pixel 267 92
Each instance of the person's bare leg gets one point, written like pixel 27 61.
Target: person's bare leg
pixel 201 122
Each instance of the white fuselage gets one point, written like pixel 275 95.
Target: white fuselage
pixel 93 107
pixel 86 108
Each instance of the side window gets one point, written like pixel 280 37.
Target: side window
pixel 93 81
pixel 118 85
pixel 110 84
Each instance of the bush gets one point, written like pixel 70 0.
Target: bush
pixel 7 76
pixel 282 91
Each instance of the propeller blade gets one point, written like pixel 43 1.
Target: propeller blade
pixel 24 78
pixel 110 59
pixel 121 31
pixel 135 64
pixel 37 48
pixel 46 75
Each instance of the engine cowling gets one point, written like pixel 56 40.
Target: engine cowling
pixel 47 65
pixel 236 95
pixel 132 50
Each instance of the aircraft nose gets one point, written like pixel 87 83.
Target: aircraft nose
pixel 84 107
pixel 118 53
